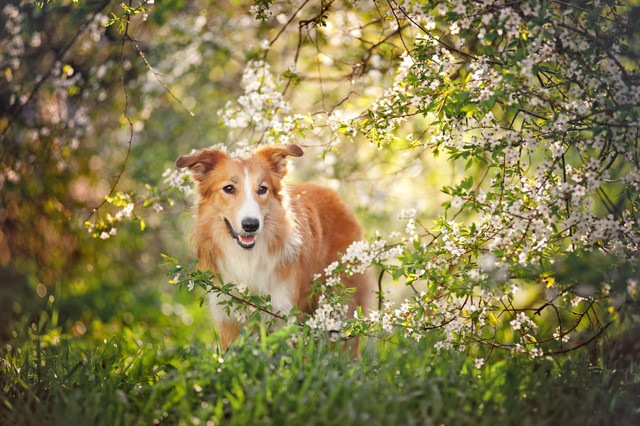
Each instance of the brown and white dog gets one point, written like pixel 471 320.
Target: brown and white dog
pixel 256 231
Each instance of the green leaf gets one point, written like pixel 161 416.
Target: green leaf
pixel 467 183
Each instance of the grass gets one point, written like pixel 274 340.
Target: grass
pixel 160 371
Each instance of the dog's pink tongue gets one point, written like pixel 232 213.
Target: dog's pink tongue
pixel 247 239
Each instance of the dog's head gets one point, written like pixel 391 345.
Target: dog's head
pixel 240 194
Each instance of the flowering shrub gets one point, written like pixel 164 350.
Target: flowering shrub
pixel 540 101
pixel 532 105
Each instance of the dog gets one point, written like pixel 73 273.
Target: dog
pixel 258 232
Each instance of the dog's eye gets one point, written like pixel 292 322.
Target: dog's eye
pixel 262 190
pixel 229 189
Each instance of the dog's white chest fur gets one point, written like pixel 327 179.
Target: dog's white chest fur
pixel 256 270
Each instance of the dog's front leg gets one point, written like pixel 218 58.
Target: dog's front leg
pixel 228 332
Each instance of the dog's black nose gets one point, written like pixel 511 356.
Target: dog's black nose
pixel 250 224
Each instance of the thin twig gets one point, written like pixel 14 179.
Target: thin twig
pixel 125 38
pixel 585 343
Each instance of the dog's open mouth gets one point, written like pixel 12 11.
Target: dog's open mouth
pixel 246 241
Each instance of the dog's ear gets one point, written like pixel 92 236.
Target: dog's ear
pixel 201 162
pixel 276 156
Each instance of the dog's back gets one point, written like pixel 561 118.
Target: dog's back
pixel 330 227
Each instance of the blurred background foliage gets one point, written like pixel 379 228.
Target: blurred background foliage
pixel 69 87
pixel 99 98
pixel 90 109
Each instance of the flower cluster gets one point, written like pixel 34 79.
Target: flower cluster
pixel 179 179
pixel 328 317
pixel 263 107
pixel 522 322
pixel 107 227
